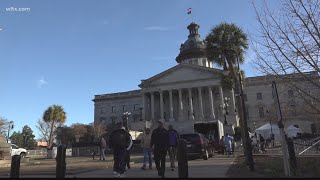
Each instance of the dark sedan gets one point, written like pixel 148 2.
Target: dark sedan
pixel 198 145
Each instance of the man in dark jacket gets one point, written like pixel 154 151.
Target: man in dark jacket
pixel 173 141
pixel 120 141
pixel 160 144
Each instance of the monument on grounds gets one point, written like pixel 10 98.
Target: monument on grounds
pixel 5 149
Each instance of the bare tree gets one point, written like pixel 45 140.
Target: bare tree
pixel 288 42
pixel 3 125
pixel 79 130
pixel 44 129
pixel 99 129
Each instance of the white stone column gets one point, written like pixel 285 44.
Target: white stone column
pixel 171 106
pixel 233 102
pixel 144 106
pixel 180 106
pixel 221 99
pixel 200 103
pixel 161 106
pixel 152 107
pixel 212 116
pixel 190 104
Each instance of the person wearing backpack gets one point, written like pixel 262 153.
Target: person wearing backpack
pixel 160 143
pixel 119 141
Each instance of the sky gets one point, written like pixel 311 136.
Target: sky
pixel 65 52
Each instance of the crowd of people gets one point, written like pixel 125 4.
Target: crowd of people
pixel 159 143
pixel 259 144
pixel 227 144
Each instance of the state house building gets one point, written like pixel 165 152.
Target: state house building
pixel 190 97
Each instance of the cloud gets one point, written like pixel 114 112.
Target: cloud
pixel 41 82
pixel 1 29
pixel 156 28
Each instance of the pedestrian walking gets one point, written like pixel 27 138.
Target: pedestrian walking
pixel 120 141
pixel 147 151
pixel 262 143
pixel 103 147
pixel 127 156
pixel 173 141
pixel 160 143
pixel 222 146
pixel 228 143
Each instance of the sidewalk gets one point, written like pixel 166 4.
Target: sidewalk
pixel 214 167
pixel 86 167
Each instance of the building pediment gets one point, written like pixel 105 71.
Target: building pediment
pixel 182 73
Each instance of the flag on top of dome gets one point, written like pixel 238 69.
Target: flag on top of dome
pixel 189 10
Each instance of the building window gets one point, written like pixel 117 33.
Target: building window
pixel 293 109
pixel 102 119
pixel 124 108
pixel 290 93
pixel 103 110
pixel 261 112
pixel 247 113
pixel 217 96
pixel 136 107
pixel 245 97
pixel 135 117
pixel 113 109
pixel 259 96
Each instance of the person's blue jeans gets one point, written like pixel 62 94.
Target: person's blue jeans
pixel 118 158
pixel 102 154
pixel 147 156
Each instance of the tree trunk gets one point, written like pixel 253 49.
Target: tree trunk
pixel 51 136
pixel 239 107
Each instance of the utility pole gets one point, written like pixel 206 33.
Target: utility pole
pixel 281 128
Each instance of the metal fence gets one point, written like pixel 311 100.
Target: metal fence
pixel 37 153
pixel 307 146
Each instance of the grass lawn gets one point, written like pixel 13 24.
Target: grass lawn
pixel 266 166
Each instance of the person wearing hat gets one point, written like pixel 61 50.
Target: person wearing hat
pixel 160 143
pixel 145 143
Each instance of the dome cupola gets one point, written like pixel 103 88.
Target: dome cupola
pixel 193 50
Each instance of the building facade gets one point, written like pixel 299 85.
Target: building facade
pixel 191 98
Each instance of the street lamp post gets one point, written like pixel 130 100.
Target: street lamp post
pixel 11 125
pixel 125 120
pixel 225 105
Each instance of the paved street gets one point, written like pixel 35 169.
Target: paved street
pixel 84 167
pixel 214 167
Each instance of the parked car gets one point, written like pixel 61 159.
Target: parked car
pixel 15 150
pixel 198 145
pixel 218 148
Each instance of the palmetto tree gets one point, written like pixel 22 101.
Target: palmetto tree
pixel 223 41
pixel 226 45
pixel 54 115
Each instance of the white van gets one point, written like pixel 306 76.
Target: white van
pixel 15 150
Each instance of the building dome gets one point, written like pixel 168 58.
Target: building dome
pixel 193 47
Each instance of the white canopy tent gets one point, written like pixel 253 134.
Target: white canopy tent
pixel 265 131
pixel 293 131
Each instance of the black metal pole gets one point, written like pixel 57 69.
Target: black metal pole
pixel 15 166
pixel 245 124
pixel 61 161
pixel 182 159
pixel 292 156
